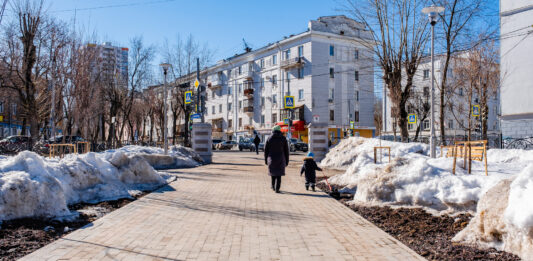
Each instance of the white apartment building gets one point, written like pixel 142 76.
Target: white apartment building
pixel 327 69
pixel 516 50
pixel 456 115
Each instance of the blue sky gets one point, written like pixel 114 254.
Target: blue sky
pixel 221 24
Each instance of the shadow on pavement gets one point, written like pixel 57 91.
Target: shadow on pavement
pixel 317 195
pixel 205 206
pixel 116 248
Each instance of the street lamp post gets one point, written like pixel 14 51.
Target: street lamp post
pixel 165 67
pixel 432 12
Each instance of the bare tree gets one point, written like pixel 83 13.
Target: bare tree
pixel 398 35
pixel 378 116
pixel 419 105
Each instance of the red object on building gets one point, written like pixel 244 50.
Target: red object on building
pixel 296 126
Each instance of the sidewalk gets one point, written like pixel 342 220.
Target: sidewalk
pixel 227 211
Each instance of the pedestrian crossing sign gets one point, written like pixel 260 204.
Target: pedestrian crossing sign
pixel 188 97
pixel 411 118
pixel 475 110
pixel 289 102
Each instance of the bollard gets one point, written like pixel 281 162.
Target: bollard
pixel 318 140
pixel 201 141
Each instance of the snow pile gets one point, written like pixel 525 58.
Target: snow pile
pixel 31 186
pixel 178 156
pixel 504 217
pixel 414 179
pixel 349 150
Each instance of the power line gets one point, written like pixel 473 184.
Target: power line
pixel 115 6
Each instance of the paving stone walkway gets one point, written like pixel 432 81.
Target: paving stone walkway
pixel 227 211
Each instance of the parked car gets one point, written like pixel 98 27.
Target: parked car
pixel 226 145
pixel 246 144
pixel 298 145
pixel 14 143
pixel 215 142
pixel 261 146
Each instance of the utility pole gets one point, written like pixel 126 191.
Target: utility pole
pixel 52 109
pixel 165 67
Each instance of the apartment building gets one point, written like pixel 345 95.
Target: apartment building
pixel 458 109
pixel 516 50
pixel 112 62
pixel 10 115
pixel 328 69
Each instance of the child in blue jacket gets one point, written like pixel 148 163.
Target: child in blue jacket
pixel 310 168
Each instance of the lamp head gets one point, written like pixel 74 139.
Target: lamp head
pixel 432 12
pixel 165 66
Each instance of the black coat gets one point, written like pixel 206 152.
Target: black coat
pixel 276 154
pixel 257 140
pixel 310 168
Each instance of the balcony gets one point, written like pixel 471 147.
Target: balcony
pixel 292 63
pixel 248 106
pixel 214 81
pixel 217 129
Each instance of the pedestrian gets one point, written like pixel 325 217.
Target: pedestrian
pixel 309 168
pixel 257 140
pixel 276 157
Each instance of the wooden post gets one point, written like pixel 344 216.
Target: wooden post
pixel 375 156
pixel 485 158
pixel 454 151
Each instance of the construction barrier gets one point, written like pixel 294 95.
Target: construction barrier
pixel 376 152
pixel 59 150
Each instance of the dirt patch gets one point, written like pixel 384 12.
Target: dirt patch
pixel 428 235
pixel 20 237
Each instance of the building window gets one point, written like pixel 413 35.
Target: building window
pixel 331 73
pixel 426 92
pixel 240 105
pixel 274 59
pixel 300 73
pixel 262 82
pixel 331 95
pixel 356 75
pixel 213 94
pixel 240 69
pixel 275 99
pixel 450 124
pixel 240 122
pixel 1 109
pixel 300 51
pixel 356 116
pixel 274 118
pixel 331 115
pixel 426 74
pixel 274 79
pixel 461 92
pixel 230 123
pixel 288 54
pixel 262 101
pixel 220 108
pixel 262 119
pixel 213 109
pixel 425 125
pixel 262 63
pixel 300 94
pixel 357 95
pixel 331 50
pixel 356 54
pixel 229 90
pixel 229 106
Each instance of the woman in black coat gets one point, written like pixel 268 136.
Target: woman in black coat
pixel 276 157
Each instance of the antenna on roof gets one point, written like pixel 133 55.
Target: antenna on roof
pixel 247 48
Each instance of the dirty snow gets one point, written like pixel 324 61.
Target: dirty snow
pixel 504 214
pixel 33 186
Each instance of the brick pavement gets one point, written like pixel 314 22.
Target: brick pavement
pixel 227 211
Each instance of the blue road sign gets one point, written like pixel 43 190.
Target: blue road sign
pixel 411 118
pixel 188 97
pixel 289 102
pixel 196 116
pixel 286 121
